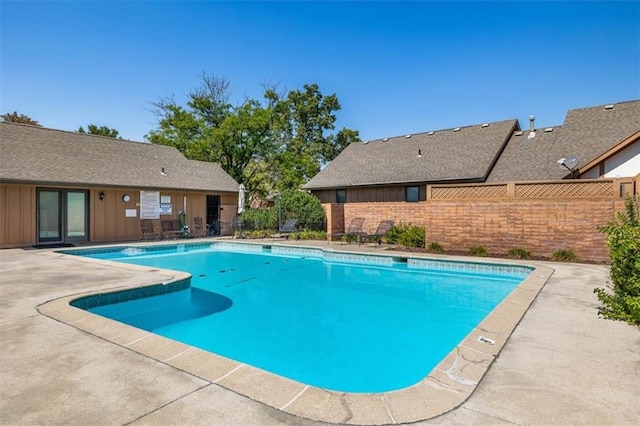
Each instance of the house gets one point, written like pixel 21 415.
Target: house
pixel 399 168
pixel 65 187
pixel 604 139
pixel 493 185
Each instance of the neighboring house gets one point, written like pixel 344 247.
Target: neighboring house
pixel 65 187
pixel 399 168
pixel 605 140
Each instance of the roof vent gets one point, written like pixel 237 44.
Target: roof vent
pixel 419 153
pixel 430 133
pixel 519 133
pixel 457 129
pixel 407 136
pixel 385 139
pixel 610 106
pixel 485 125
pixel 162 172
pixel 532 119
pixel 548 129
pixel 531 135
pixel 365 142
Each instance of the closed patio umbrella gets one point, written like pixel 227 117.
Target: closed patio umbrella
pixel 241 197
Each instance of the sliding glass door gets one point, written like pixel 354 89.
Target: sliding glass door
pixel 62 216
pixel 49 216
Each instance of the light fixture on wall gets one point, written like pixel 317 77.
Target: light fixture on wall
pixel 102 195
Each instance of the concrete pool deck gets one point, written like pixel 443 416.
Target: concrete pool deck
pixel 561 364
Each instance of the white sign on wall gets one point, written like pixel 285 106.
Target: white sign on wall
pixel 149 204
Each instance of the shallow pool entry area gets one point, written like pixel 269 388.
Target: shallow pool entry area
pixel 339 321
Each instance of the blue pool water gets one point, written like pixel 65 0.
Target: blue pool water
pixel 334 324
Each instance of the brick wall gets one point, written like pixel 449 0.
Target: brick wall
pixel 335 218
pixel 540 226
pixel 374 213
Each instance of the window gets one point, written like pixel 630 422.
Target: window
pixel 341 196
pixel 412 194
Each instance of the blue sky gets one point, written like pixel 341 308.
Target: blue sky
pixel 397 68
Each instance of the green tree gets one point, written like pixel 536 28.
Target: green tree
pixel 291 204
pixel 211 129
pixel 92 129
pixel 14 117
pixel 302 123
pixel 305 207
pixel 622 300
pixel 268 145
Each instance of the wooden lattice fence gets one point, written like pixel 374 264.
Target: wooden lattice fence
pixel 596 188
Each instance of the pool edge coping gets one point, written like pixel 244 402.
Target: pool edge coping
pixel 444 389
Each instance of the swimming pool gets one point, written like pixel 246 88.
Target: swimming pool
pixel 344 322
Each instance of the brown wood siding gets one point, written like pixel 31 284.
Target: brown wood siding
pixel 108 215
pixel 228 212
pixel 17 215
pixel 377 194
pixel 107 220
pixel 326 196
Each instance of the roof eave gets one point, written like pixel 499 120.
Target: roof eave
pixel 107 185
pixel 398 183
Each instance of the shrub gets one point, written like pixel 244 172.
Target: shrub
pixel 304 207
pixel 393 236
pixel 295 204
pixel 478 251
pixel 406 235
pixel 622 300
pixel 564 255
pixel 261 218
pixel 519 253
pixel 435 247
pixel 309 235
pixel 414 237
pixel 350 238
pixel 256 233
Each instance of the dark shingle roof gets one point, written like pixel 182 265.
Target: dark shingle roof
pixel 586 133
pixel 525 158
pixel 466 154
pixel 38 155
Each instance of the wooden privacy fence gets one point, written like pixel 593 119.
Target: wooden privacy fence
pixel 538 216
pixel 592 188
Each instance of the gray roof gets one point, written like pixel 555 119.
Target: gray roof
pixel 461 154
pixel 39 155
pixel 586 133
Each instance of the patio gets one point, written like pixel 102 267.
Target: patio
pixel 561 365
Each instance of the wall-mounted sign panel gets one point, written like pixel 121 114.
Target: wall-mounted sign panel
pixel 149 204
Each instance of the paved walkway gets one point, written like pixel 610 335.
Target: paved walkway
pixel 562 365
